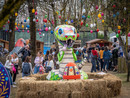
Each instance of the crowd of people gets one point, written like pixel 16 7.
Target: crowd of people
pixel 102 59
pixel 43 63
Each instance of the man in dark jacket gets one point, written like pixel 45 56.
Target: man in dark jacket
pixel 25 52
pixel 115 57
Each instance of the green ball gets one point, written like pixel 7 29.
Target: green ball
pixel 88 16
pixel 86 25
pixel 45 16
pixel 117 35
pixel 28 17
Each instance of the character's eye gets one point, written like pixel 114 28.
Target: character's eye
pixel 60 31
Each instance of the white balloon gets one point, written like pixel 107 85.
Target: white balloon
pixel 94 24
pixel 91 25
pixel 69 22
pixel 49 28
pixel 34 19
pixel 43 34
pixel 27 20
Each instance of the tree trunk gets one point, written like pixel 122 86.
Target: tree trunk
pixel 105 33
pixel 12 33
pixel 32 32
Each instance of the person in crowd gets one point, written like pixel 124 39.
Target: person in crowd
pixel 27 67
pixel 25 52
pixel 46 56
pixel 120 52
pixel 15 61
pixel 89 53
pixel 79 56
pixel 38 62
pixel 55 60
pixel 94 56
pixel 97 46
pixel 50 64
pixel 53 52
pixel 98 59
pixel 8 66
pixel 101 57
pixel 115 57
pixel 106 58
pixel 50 52
pixel 84 51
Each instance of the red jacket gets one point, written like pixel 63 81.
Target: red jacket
pixel 94 52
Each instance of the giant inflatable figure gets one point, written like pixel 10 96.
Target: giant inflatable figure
pixel 4 83
pixel 66 36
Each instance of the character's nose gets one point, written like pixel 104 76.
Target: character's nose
pixel 66 36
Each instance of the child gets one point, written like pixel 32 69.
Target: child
pixel 38 62
pixel 26 67
pixel 8 66
pixel 15 62
pixel 50 64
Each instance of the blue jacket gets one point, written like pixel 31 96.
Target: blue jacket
pixel 106 55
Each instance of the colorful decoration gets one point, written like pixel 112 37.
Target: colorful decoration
pixel 45 20
pixel 45 16
pixel 97 30
pixel 71 72
pixel 128 34
pixel 46 29
pixel 22 30
pixel 99 16
pixel 102 14
pixel 38 29
pixel 114 15
pixel 114 6
pixel 16 14
pixel 54 75
pixel 27 31
pixel 91 31
pixel 36 13
pixel 88 16
pixel 102 21
pixel 84 76
pixel 86 25
pixel 33 10
pixel 25 20
pixel 83 16
pixel 81 23
pixel 60 16
pixel 22 26
pixel 66 20
pixel 117 13
pixel 43 34
pixel 28 26
pixel 119 31
pixel 117 35
pixel 36 20
pixel 72 21
pixel 77 34
pixel 8 21
pixel 40 33
pixel 96 7
pixel 119 27
pixel 17 28
pixel 15 23
pixel 4 83
pixel 44 26
pixel 51 31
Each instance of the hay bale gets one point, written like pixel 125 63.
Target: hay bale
pixel 58 94
pixel 102 86
pixel 76 94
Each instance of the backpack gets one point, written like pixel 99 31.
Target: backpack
pixel 26 68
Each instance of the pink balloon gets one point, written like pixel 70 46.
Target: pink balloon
pixel 102 14
pixel 59 16
pixel 128 34
pixel 91 31
pixel 46 29
pixel 17 28
pixel 35 13
pixel 22 30
pixel 96 7
pixel 27 31
pixel 39 33
pixel 40 36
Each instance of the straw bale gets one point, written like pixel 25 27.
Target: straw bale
pixel 62 86
pixel 76 94
pixel 75 85
pixel 58 94
pixel 48 86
